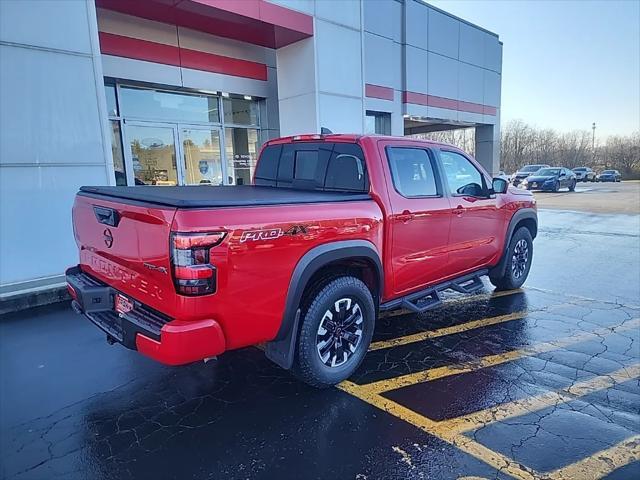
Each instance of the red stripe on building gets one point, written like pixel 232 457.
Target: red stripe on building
pixel 470 107
pixel 448 103
pixel 127 47
pixel 376 91
pixel 121 46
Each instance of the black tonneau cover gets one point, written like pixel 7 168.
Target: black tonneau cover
pixel 221 196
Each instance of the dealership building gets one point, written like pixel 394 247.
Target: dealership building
pixel 182 92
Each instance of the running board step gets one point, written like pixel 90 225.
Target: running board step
pixel 429 298
pixel 422 304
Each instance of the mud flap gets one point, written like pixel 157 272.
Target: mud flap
pixel 282 352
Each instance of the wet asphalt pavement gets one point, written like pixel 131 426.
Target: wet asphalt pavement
pixel 537 383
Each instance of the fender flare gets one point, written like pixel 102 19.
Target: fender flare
pixel 522 214
pixel 282 348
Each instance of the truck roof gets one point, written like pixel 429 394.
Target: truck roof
pixel 348 138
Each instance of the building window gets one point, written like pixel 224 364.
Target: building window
pixel 117 154
pixel 182 138
pixel 378 122
pixel 112 104
pixel 242 146
pixel 240 111
pixel 159 105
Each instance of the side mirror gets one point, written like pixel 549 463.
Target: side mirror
pixel 500 185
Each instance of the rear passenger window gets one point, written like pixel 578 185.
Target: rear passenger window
pixel 412 171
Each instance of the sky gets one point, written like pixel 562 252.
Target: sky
pixel 566 64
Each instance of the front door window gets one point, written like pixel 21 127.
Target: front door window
pixel 153 154
pixel 202 157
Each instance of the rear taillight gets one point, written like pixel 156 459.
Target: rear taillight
pixel 193 273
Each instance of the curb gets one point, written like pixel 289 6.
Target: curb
pixel 24 301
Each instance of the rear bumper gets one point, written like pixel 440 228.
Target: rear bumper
pixel 169 341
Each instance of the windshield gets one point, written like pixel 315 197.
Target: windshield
pixel 547 172
pixel 580 169
pixel 531 168
pixel 608 172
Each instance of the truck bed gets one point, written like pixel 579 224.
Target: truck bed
pixel 204 196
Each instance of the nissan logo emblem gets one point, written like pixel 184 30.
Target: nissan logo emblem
pixel 108 237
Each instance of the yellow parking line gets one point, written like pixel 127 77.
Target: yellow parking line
pixel 548 399
pixel 462 299
pixel 491 360
pixel 495 459
pixel 440 332
pixel 602 463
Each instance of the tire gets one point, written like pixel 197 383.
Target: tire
pixel 515 276
pixel 317 359
pixel 556 186
pixel 572 187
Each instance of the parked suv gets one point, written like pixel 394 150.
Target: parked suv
pixel 518 177
pixel 551 179
pixel 336 229
pixel 584 174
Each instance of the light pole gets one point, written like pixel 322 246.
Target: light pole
pixel 593 141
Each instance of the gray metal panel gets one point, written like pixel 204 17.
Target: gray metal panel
pixel 297 65
pixel 471 83
pixel 384 18
pixel 443 33
pixel 129 69
pixel 339 59
pixel 472 42
pixel 343 12
pixel 60 25
pixel 416 61
pixel 443 76
pixel 383 61
pixel 416 21
pixel 491 88
pixel 492 53
pixel 200 80
pixel 49 108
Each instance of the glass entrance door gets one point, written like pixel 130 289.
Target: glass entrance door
pixel 202 153
pixel 152 154
pixel 174 154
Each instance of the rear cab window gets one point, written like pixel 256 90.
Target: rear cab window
pixel 325 166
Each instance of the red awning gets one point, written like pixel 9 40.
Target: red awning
pixel 253 21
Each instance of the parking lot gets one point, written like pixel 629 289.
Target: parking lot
pixel 541 382
pixel 622 197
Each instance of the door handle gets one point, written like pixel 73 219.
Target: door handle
pixel 405 216
pixel 459 210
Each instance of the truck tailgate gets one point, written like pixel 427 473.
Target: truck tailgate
pixel 127 246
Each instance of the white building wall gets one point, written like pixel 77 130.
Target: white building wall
pixel 53 135
pixel 322 77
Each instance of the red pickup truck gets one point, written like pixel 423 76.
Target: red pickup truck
pixel 335 229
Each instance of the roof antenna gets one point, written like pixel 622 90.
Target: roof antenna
pixel 325 131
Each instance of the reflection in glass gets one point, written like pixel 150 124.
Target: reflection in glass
pixel 153 153
pixel 117 153
pixel 240 111
pixel 242 145
pixel 202 157
pixel 112 104
pixel 175 107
